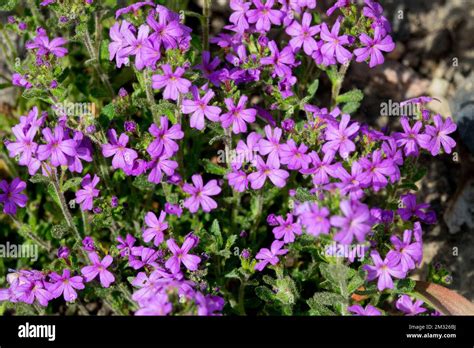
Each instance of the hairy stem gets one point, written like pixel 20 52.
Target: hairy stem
pixel 146 84
pixel 257 217
pixel 64 207
pixel 336 87
pixel 206 11
pixel 26 232
pixel 95 62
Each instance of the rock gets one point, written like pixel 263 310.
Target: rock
pixel 462 106
pixel 438 87
pixel 438 43
pixel 460 213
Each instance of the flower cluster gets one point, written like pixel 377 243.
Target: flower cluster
pixel 329 180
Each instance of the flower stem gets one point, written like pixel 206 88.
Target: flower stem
pixel 146 84
pixel 336 87
pixel 206 11
pixel 241 304
pixel 257 217
pixel 26 231
pixel 95 62
pixel 64 207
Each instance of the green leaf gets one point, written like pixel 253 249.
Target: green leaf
pixel 350 107
pixel 216 231
pixel 109 111
pixel 58 231
pixel 36 93
pixel 353 96
pixel 303 195
pixel 8 5
pixel 141 182
pixel 313 87
pixel 39 179
pixel 72 183
pixel 403 286
pixel 337 276
pixel 234 274
pixel 264 293
pixel 53 194
pixel 212 168
pixel 166 108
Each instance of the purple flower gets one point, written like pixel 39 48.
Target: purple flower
pixel 411 207
pixel 338 4
pixel 303 34
pixel 338 138
pixel 173 209
pixel 237 115
pixel 411 138
pixel 384 270
pixel 123 156
pixel 11 196
pixel 118 42
pixel 238 180
pixel 369 310
pixel 155 228
pixel 200 194
pixel 355 222
pixel 439 135
pixel 286 229
pixel 373 47
pixel 264 16
pixel 24 146
pixel 168 30
pixel 135 45
pixel 294 156
pixel 351 183
pixel 408 253
pixel 181 255
pixel 165 136
pixel 288 125
pixel 321 169
pixel 199 108
pixel 65 285
pixel 142 257
pixel 334 43
pixel 125 245
pixel 20 80
pixel 270 256
pixel 315 219
pixel 57 148
pixel 63 252
pixel 268 170
pixel 238 16
pixel 375 11
pixel 88 244
pixel 281 60
pixel 86 195
pixel 246 151
pixel 130 126
pixel 133 8
pixel 271 145
pixel 208 68
pixel 410 308
pixel 173 82
pixel 44 46
pixel 99 268
pixel 376 170
pixel 160 165
pixel 83 152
